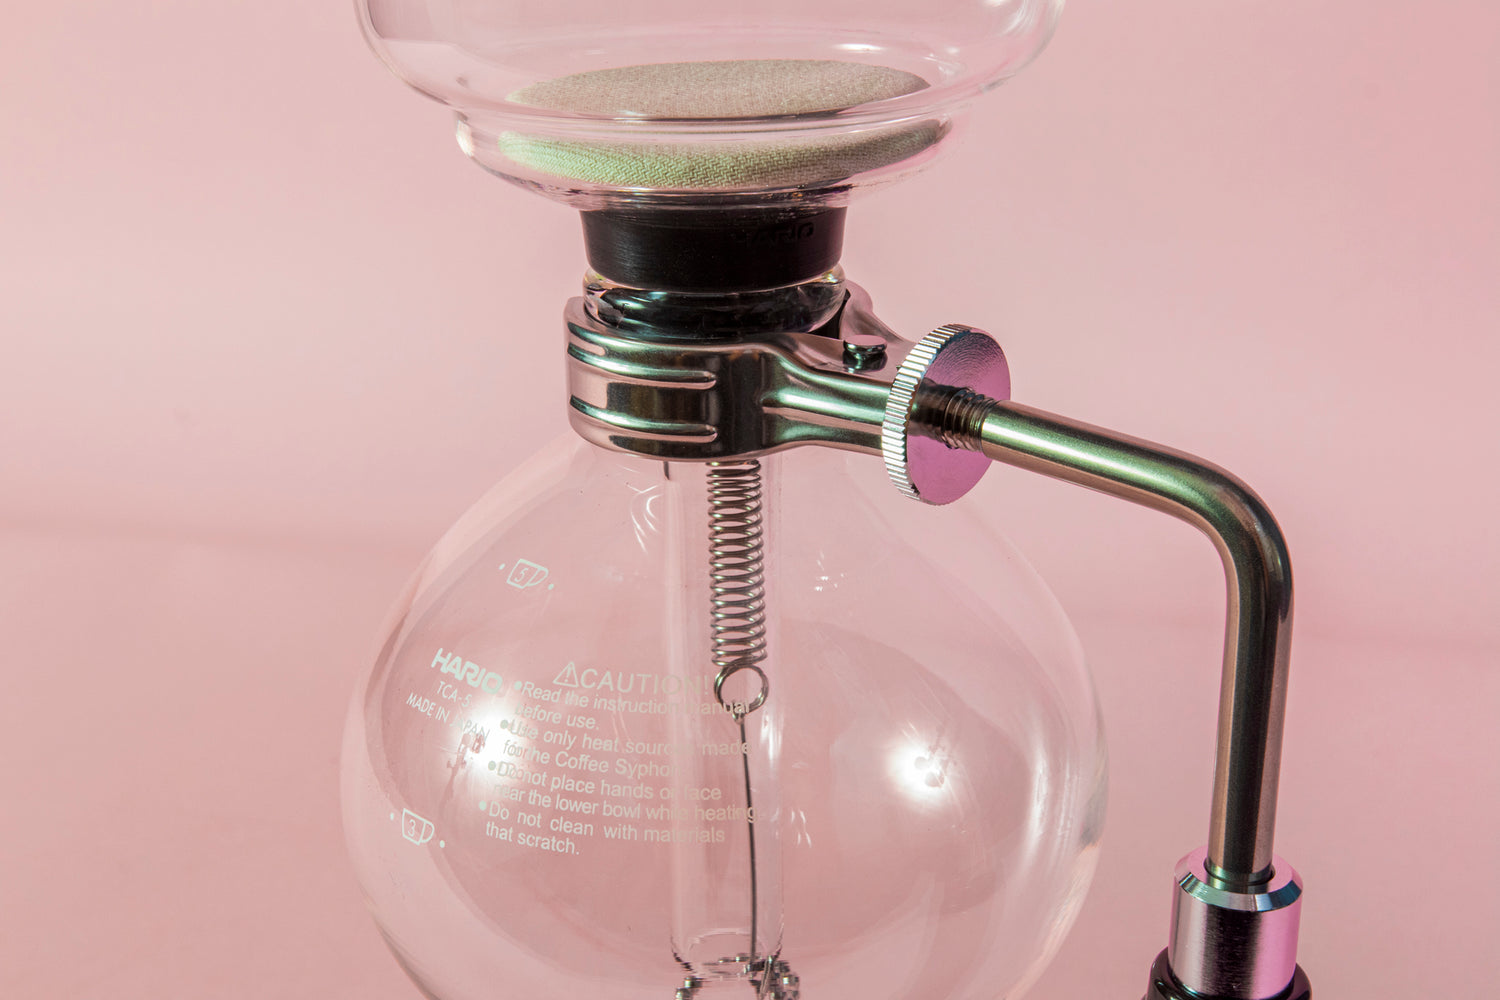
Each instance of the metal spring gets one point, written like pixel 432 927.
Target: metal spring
pixel 737 576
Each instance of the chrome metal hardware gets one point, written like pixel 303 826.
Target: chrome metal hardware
pixel 729 379
pixel 1234 942
pixel 747 387
pixel 1259 580
pixel 1236 912
pixel 923 461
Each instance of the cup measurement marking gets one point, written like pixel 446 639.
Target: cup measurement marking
pixel 415 827
pixel 525 574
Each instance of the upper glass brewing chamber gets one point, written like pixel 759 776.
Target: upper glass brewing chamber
pixel 603 103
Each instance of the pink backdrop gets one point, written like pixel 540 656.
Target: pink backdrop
pixel 266 333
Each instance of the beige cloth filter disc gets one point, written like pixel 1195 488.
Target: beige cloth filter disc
pixel 720 91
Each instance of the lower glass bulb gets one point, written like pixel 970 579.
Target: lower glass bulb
pixel 648 730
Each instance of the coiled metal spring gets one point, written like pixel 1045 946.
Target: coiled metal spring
pixel 737 577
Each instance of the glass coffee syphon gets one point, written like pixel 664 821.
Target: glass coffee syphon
pixel 709 700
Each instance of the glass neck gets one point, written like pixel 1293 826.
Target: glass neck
pixel 657 314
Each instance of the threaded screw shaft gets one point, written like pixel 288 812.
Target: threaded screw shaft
pixel 951 414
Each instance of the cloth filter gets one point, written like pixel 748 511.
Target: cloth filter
pixel 721 91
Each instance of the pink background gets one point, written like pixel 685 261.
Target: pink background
pixel 265 333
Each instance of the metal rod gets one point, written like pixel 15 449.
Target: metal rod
pixel 1258 572
pixel 750 840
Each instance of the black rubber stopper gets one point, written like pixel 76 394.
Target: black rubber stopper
pixel 713 250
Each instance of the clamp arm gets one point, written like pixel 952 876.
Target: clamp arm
pixel 1237 906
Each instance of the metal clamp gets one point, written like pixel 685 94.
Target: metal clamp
pixel 713 381
pixel 675 377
